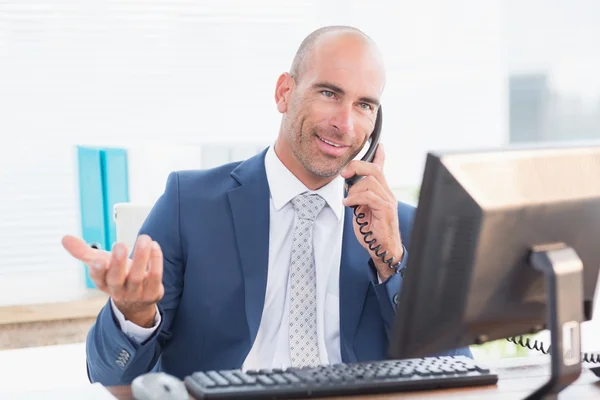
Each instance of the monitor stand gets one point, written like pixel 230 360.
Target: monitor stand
pixel 564 291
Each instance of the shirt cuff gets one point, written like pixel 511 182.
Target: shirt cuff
pixel 133 331
pixel 393 284
pixel 400 267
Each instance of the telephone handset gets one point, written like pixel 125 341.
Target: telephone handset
pixel 370 154
pixel 368 157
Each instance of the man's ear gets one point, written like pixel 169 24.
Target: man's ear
pixel 283 91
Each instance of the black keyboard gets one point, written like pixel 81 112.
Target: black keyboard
pixel 341 379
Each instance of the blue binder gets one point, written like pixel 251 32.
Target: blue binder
pixel 103 182
pixel 115 182
pixel 91 200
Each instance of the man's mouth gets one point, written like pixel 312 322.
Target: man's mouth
pixel 330 142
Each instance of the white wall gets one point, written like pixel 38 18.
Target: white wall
pixel 560 38
pixel 180 70
pixel 191 72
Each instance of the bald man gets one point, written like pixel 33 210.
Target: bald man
pixel 259 264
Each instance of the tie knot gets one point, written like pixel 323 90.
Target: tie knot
pixel 308 206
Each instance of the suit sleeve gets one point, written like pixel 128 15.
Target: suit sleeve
pixel 388 292
pixel 112 357
pixel 135 332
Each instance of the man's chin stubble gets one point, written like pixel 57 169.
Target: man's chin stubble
pixel 329 173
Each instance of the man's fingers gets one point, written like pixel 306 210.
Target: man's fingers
pixel 141 256
pixel 96 260
pixel 114 273
pixel 362 168
pixel 79 249
pixel 154 287
pixel 367 198
pixel 369 184
pixel 379 158
pixel 98 268
pixel 366 169
pixel 117 271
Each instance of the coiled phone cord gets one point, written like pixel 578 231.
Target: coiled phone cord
pixel 534 344
pixel 371 242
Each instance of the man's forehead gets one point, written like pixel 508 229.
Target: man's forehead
pixel 369 81
pixel 345 57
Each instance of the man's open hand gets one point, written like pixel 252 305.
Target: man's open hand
pixel 135 285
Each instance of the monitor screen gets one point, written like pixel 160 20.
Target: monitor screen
pixel 480 214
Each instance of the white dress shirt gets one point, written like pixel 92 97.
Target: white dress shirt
pixel 271 347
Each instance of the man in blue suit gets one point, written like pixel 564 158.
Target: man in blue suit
pixel 260 264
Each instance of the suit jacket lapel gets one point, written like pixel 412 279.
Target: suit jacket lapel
pixel 249 204
pixel 354 283
pixel 250 211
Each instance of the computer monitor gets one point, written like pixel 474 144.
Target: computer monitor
pixel 493 232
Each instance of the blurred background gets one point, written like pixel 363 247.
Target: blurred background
pixel 138 88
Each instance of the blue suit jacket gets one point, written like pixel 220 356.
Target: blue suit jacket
pixel 213 228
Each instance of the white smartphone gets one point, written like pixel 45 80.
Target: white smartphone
pixel 129 218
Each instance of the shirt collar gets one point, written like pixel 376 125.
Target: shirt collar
pixel 284 185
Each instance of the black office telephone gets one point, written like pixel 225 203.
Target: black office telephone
pixel 369 156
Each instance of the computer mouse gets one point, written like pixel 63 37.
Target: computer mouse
pixel 158 385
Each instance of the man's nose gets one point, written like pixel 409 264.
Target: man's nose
pixel 343 120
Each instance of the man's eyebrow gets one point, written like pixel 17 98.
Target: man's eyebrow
pixel 339 90
pixel 330 86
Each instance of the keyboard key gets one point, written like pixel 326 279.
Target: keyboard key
pixel 447 370
pixel 219 380
pixel 233 380
pixel 435 371
pixel 204 380
pixel 265 380
pixel 247 379
pixel 278 378
pixel 291 377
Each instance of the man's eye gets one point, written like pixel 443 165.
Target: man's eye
pixel 327 93
pixel 366 106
